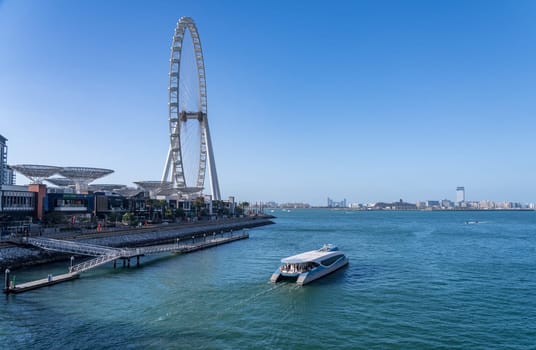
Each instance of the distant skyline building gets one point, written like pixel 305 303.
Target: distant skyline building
pixel 334 204
pixel 460 194
pixel 10 178
pixel 445 203
pixel 434 203
pixel 3 158
pixel 7 175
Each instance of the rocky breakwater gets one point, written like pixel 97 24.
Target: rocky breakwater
pixel 14 256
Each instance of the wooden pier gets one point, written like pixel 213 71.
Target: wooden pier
pixel 106 254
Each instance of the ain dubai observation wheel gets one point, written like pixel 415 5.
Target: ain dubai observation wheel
pixel 190 153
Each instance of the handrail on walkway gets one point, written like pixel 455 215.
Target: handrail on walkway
pixel 70 247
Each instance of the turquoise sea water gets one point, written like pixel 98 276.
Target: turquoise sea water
pixel 416 280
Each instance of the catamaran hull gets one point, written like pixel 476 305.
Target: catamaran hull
pixel 310 276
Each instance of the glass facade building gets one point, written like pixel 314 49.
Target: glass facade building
pixel 3 160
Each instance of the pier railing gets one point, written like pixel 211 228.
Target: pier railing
pixel 71 247
pixel 87 265
pixel 107 254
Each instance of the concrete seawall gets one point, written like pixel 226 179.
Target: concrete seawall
pixel 16 256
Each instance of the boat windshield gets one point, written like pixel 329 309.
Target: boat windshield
pixel 328 248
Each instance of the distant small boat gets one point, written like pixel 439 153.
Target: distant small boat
pixel 471 222
pixel 309 266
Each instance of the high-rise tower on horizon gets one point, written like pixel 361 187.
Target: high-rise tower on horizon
pixel 460 194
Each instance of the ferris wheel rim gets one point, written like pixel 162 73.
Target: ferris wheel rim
pixel 174 165
pixel 175 112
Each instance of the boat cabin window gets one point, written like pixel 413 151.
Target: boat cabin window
pixel 331 260
pixel 298 268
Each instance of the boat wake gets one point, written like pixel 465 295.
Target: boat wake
pixel 253 298
pixel 257 295
pixel 474 222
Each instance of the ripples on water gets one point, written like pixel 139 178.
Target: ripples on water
pixel 416 280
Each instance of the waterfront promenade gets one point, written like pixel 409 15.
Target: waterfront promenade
pixel 16 254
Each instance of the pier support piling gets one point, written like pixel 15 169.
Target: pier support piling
pixel 8 273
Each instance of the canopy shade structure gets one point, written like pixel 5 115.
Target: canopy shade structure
pixel 154 187
pixel 36 173
pixel 61 181
pixel 82 176
pixel 105 187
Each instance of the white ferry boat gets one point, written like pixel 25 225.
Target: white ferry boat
pixel 309 266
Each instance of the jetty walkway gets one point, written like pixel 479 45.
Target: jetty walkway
pixel 105 254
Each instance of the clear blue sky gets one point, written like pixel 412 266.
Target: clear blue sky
pixel 364 100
